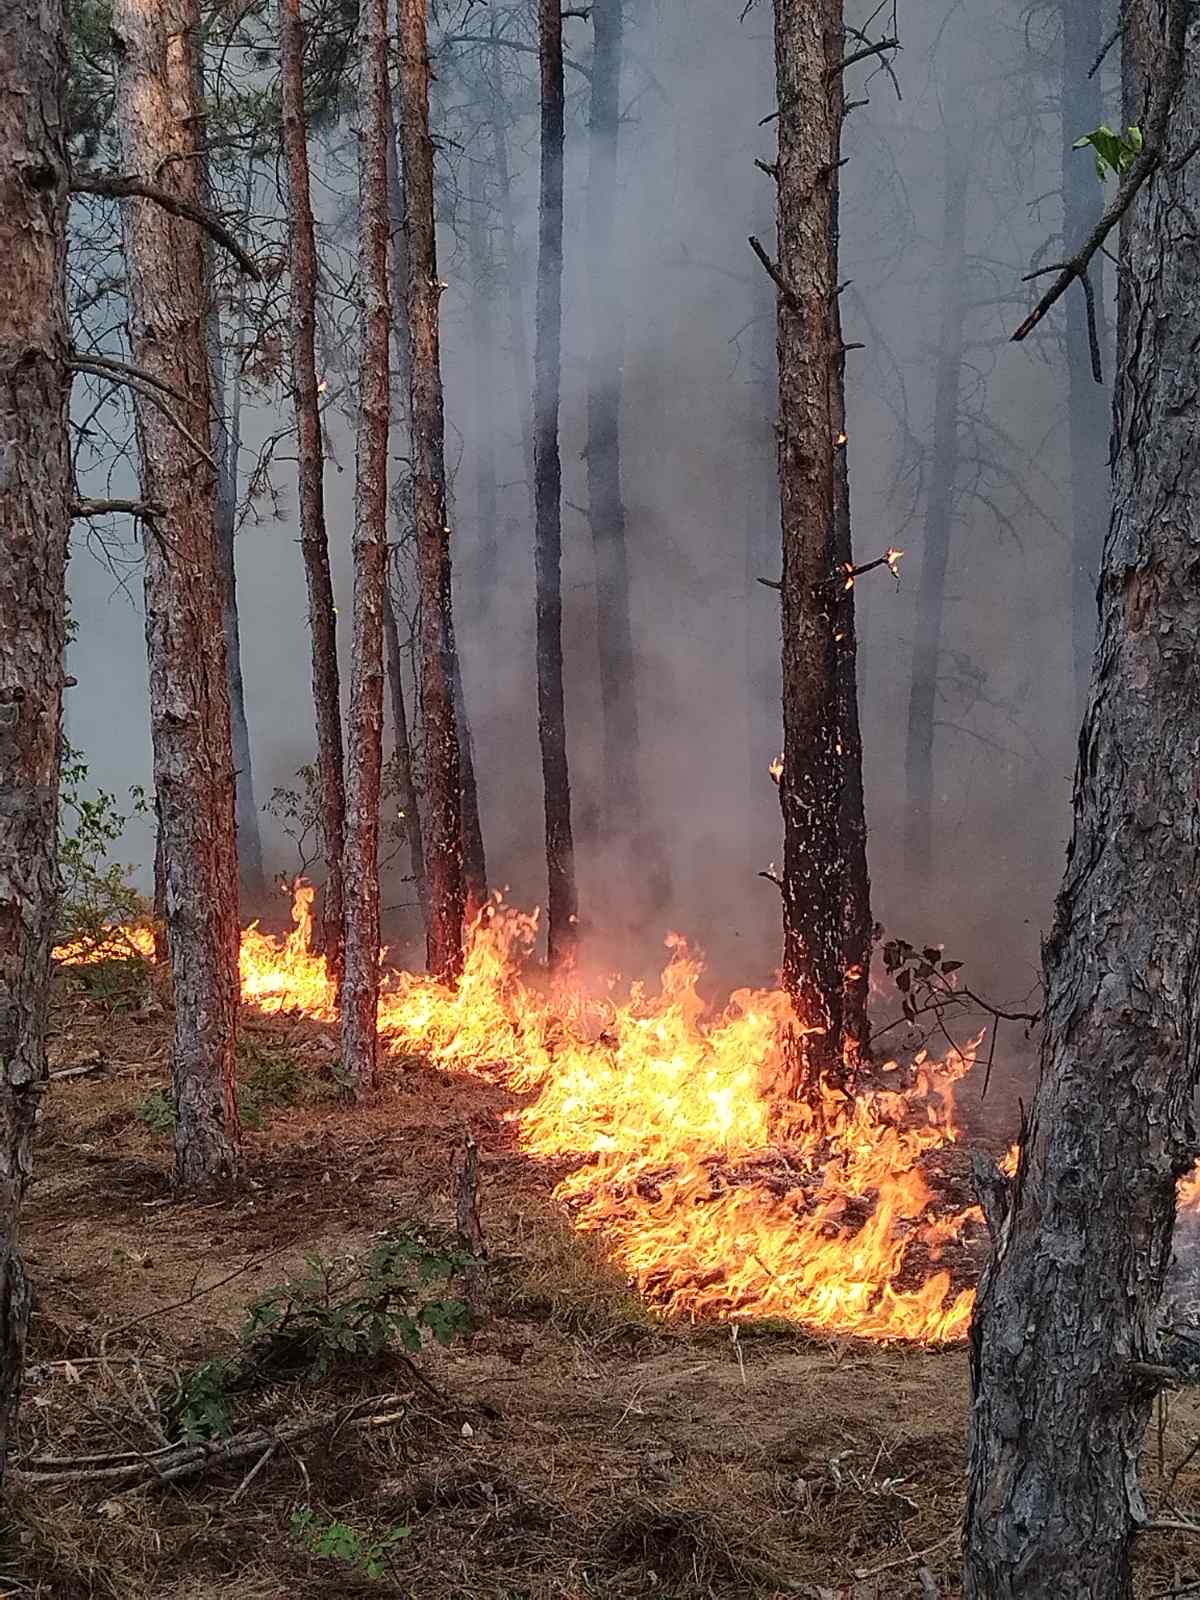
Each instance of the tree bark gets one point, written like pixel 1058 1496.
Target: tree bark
pixel 1070 1298
pixel 939 515
pixel 360 989
pixel 562 919
pixel 856 890
pixel 227 441
pixel 156 43
pixel 614 627
pixel 518 340
pixel 813 777
pixel 406 788
pixel 444 843
pixel 483 287
pixel 35 492
pixel 314 539
pixel 1088 404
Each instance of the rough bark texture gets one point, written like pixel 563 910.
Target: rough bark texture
pixel 483 287
pixel 35 490
pixel 475 879
pixel 406 788
pixel 614 629
pixel 811 784
pixel 856 889
pixel 1071 1295
pixel 156 42
pixel 444 849
pixel 360 989
pixel 939 517
pixel 562 919
pixel 519 344
pixel 1088 405
pixel 314 539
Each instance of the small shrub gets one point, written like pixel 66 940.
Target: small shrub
pixel 199 1407
pixel 270 1080
pixel 96 896
pixel 338 1541
pixel 156 1111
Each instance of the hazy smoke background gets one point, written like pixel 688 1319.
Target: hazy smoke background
pixel 700 493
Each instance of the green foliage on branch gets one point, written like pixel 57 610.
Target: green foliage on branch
pixel 338 1541
pixel 1113 153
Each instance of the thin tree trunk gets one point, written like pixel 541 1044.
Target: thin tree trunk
pixel 562 919
pixel 406 788
pixel 156 41
pixel 858 923
pixel 227 443
pixel 360 990
pixel 444 843
pixel 314 540
pixel 518 340
pixel 812 781
pixel 939 516
pixel 483 286
pixel 475 882
pixel 1070 1300
pixel 614 628
pixel 35 491
pixel 1088 404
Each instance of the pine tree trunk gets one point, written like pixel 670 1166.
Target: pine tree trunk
pixel 35 488
pixel 762 545
pixel 858 923
pixel 444 844
pixel 1088 405
pixel 614 628
pixel 1070 1299
pixel 518 340
pixel 360 990
pixel 483 287
pixel 406 788
pixel 475 881
pixel 227 444
pixel 155 42
pixel 314 539
pixel 812 781
pixel 939 515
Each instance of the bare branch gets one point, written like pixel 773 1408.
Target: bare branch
pixel 81 509
pixel 862 54
pixel 125 186
pixel 791 298
pixel 1107 46
pixel 149 387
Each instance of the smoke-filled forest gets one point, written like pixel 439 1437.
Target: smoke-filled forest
pixel 599 799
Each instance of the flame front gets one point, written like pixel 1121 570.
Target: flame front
pixel 664 1112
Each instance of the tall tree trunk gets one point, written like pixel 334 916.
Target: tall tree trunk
pixel 360 990
pixel 811 784
pixel 35 488
pixel 227 444
pixel 155 43
pixel 444 844
pixel 614 628
pixel 562 919
pixel 939 515
pixel 475 881
pixel 314 540
pixel 406 788
pixel 518 339
pixel 762 538
pixel 1088 406
pixel 483 286
pixel 1070 1300
pixel 857 920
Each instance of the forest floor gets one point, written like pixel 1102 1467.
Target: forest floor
pixel 572 1446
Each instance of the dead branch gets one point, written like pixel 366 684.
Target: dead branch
pixel 791 298
pixel 1105 48
pixel 81 509
pixel 126 186
pixel 863 54
pixel 149 387
pixel 518 45
pixel 1146 162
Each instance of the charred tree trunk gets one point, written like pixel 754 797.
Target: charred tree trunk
pixel 614 628
pixel 406 788
pixel 475 881
pixel 35 490
pixel 562 919
pixel 858 924
pixel 227 440
pixel 314 540
pixel 939 517
pixel 360 990
pixel 812 782
pixel 155 43
pixel 444 842
pixel 1088 407
pixel 1069 1303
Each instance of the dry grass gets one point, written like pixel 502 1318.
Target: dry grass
pixel 584 1447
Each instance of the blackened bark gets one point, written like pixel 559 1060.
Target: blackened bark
pixel 35 490
pixel 614 627
pixel 475 880
pixel 562 919
pixel 444 846
pixel 156 43
pixel 939 516
pixel 360 989
pixel 811 783
pixel 406 788
pixel 856 890
pixel 1088 404
pixel 1070 1298
pixel 762 541
pixel 314 539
